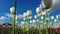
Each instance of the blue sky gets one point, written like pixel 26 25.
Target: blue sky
pixel 23 6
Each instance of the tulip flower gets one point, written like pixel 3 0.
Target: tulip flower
pixel 47 3
pixel 44 14
pixel 38 10
pixel 52 17
pixel 57 16
pixel 17 22
pixel 42 17
pixel 24 16
pixel 35 16
pixel 48 10
pixel 29 17
pixel 43 5
pixel 55 20
pixel 12 9
pixel 29 13
pixel 13 12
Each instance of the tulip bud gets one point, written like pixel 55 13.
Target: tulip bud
pixel 25 15
pixel 31 22
pixel 57 16
pixel 43 13
pixel 29 13
pixel 30 17
pixel 34 21
pixel 42 17
pixel 47 3
pixel 55 20
pixel 48 10
pixel 12 9
pixel 38 10
pixel 39 14
pixel 52 17
pixel 17 18
pixel 47 19
pixel 16 22
pixel 43 5
pixel 35 16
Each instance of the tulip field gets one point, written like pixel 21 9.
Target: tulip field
pixel 41 23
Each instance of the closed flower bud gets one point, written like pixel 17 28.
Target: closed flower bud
pixel 12 9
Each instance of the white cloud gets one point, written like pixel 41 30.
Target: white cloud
pixel 56 5
pixel 9 15
pixel 2 18
pixel 20 16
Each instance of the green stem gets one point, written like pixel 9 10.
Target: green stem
pixel 13 24
pixel 49 21
pixel 46 26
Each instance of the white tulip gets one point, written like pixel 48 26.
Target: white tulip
pixel 34 21
pixel 52 17
pixel 12 9
pixel 38 10
pixel 25 15
pixel 43 5
pixel 57 16
pixel 47 4
pixel 35 16
pixel 22 22
pixel 48 10
pixel 29 13
pixel 30 17
pixel 55 20
pixel 41 26
pixel 39 14
pixel 37 20
pixel 27 29
pixel 24 19
pixel 43 13
pixel 47 18
pixel 31 21
pixel 16 22
pixel 17 18
pixel 42 17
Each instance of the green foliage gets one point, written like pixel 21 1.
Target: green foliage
pixel 30 31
